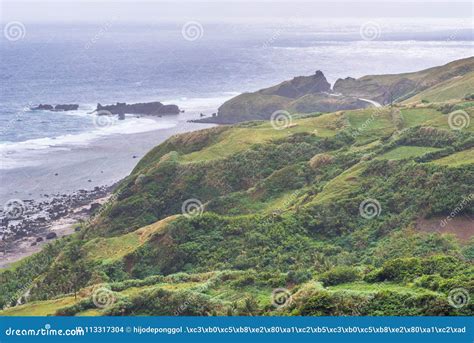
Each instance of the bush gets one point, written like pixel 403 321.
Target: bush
pixel 446 108
pixel 429 281
pixel 76 308
pixel 319 304
pixel 244 280
pixel 319 160
pixel 338 275
pixel 298 276
pixel 469 96
pixel 400 269
pixel 446 266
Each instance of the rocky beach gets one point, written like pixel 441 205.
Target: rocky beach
pixel 26 225
pixel 56 188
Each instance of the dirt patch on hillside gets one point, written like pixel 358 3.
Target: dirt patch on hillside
pixel 461 226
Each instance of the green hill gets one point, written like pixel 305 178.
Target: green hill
pixel 309 94
pixel 454 88
pixel 398 87
pixel 325 216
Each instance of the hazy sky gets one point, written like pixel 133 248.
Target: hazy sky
pixel 150 10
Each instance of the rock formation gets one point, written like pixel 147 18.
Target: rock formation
pixel 150 108
pixel 57 108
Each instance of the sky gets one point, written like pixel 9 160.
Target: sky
pixel 76 11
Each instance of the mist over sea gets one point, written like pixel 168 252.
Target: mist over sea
pixel 116 62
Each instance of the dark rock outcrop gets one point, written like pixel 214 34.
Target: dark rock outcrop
pixel 68 107
pixel 51 235
pixel 300 86
pixel 57 108
pixel 302 94
pixel 44 107
pixel 149 108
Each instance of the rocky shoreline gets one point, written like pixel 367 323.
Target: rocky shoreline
pixel 27 225
pixel 154 108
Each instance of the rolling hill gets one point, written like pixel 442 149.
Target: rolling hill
pixel 339 213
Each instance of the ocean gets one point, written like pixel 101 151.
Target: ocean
pixel 196 68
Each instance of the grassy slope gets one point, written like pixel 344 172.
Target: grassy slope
pixel 433 75
pixel 457 159
pixel 404 152
pixel 455 88
pixel 114 248
pixel 218 144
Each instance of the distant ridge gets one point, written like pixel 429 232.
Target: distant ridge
pixel 309 94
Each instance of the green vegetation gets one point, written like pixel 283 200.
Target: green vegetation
pixel 455 88
pixel 403 152
pixel 457 159
pixel 282 209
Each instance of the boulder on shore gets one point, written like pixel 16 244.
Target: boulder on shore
pixel 51 235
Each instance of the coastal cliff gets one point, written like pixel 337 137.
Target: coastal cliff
pixel 309 94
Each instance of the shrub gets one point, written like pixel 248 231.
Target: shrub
pixel 469 96
pixel 244 280
pixel 429 281
pixel 446 266
pixel 446 108
pixel 298 276
pixel 400 269
pixel 320 160
pixel 319 304
pixel 338 275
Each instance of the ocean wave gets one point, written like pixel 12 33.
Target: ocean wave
pixel 25 153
